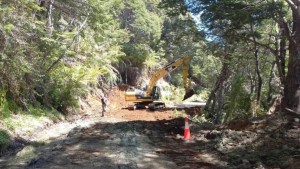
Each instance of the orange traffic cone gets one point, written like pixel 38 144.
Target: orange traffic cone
pixel 187 134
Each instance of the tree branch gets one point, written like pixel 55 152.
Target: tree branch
pixel 292 4
pixel 263 45
pixel 296 2
pixel 73 40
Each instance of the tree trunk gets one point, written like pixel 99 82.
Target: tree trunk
pixel 2 41
pixel 259 79
pixel 220 100
pixel 214 105
pixel 270 91
pixel 280 55
pixel 50 18
pixel 291 99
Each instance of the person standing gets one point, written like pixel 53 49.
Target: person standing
pixel 105 103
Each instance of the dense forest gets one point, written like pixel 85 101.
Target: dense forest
pixel 245 54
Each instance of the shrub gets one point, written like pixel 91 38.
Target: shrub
pixel 4 139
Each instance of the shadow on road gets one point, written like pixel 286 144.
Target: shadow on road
pixel 153 144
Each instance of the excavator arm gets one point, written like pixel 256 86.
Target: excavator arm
pixel 149 98
pixel 185 62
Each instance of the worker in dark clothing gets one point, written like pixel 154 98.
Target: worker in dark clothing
pixel 105 103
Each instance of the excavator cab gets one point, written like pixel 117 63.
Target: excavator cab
pixel 156 93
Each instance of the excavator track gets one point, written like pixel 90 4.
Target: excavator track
pixel 156 106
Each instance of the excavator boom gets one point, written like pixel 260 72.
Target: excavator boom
pixel 185 62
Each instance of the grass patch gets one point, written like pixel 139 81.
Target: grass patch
pixel 40 113
pixel 13 119
pixel 27 122
pixel 35 118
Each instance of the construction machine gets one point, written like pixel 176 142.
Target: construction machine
pixel 150 97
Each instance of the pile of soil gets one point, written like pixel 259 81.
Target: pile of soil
pixel 116 97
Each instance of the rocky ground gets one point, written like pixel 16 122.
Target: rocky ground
pixel 142 139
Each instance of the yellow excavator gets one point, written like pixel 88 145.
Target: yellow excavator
pixel 150 97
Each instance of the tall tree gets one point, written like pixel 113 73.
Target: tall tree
pixel 232 18
pixel 144 21
pixel 291 99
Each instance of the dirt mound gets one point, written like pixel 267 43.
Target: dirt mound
pixel 123 87
pixel 117 97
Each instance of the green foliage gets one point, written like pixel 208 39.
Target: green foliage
pixel 50 60
pixel 7 106
pixel 239 100
pixel 40 113
pixel 222 19
pixel 144 23
pixel 4 139
pixel 69 84
pixel 205 68
pixel 5 111
pixel 173 7
pixel 147 25
pixel 173 95
pixel 203 94
pixel 60 59
pixel 237 29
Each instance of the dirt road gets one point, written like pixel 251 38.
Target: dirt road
pixel 109 143
pixel 146 140
pixel 155 140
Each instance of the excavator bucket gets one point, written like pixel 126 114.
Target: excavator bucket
pixel 188 94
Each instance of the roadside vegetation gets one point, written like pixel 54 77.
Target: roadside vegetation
pixel 4 139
